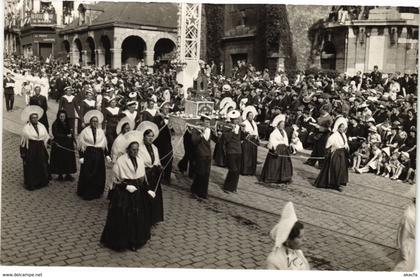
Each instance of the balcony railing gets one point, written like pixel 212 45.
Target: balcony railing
pixel 43 19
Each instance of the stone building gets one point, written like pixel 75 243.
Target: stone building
pixel 38 23
pixel 111 33
pixel 386 37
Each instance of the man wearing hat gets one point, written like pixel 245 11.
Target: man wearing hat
pixel 232 141
pixel 40 101
pixel 202 158
pixel 9 91
pixel 323 128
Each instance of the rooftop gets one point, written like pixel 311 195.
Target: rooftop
pixel 146 14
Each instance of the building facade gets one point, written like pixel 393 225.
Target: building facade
pixel 115 34
pixel 386 37
pixel 33 25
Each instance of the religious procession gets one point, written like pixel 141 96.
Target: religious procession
pixel 129 121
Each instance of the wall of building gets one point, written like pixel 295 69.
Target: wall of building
pixel 301 18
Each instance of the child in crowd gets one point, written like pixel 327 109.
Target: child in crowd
pixel 361 156
pixel 374 162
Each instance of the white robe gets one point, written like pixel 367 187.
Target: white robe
pixel 124 169
pixel 144 154
pixel 282 258
pixel 86 139
pixel 335 141
pixel 29 133
pixel 248 128
pixel 118 147
pixel 277 138
pixel 131 116
pixel 406 240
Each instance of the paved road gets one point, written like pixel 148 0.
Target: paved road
pixel 351 230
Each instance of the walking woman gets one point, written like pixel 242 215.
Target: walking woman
pixel 92 151
pixel 118 147
pixel 335 170
pixel 150 155
pixel 278 166
pixel 232 139
pixel 128 221
pixel 288 235
pixel 112 116
pixel 63 158
pixel 33 149
pixel 250 143
pixel 67 103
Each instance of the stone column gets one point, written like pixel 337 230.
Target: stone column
pixel 84 57
pixel 74 57
pixel 351 52
pixel 401 50
pixel 150 54
pixel 116 57
pixel 100 57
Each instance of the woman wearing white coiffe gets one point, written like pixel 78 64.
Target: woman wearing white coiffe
pixel 33 149
pixel 278 167
pixel 150 155
pixel 288 235
pixel 334 173
pixel 406 236
pixel 128 221
pixel 118 147
pixel 92 146
pixel 250 143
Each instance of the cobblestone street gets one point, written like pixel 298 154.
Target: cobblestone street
pixel 350 230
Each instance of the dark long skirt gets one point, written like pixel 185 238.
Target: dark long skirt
pixel 128 221
pixel 35 165
pixel 232 178
pixel 111 135
pixel 164 145
pixel 249 156
pixel 318 149
pixel 277 169
pixel 186 163
pixel 62 161
pixel 92 174
pixel 156 204
pixel 200 184
pixel 219 156
pixel 335 171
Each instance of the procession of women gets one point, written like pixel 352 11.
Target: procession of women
pixel 122 119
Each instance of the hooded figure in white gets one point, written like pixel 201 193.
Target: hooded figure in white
pixel 282 257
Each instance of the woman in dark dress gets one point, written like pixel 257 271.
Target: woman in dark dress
pixel 92 151
pixel 88 104
pixel 112 116
pixel 150 156
pixel 63 158
pixel 278 166
pixel 33 149
pixel 128 221
pixel 335 173
pixel 67 103
pixel 250 143
pixel 164 142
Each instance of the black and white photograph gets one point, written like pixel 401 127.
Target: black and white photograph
pixel 173 135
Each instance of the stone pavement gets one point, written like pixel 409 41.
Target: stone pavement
pixel 351 230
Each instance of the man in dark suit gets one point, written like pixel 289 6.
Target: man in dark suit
pixel 41 101
pixel 60 84
pixel 9 91
pixel 201 142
